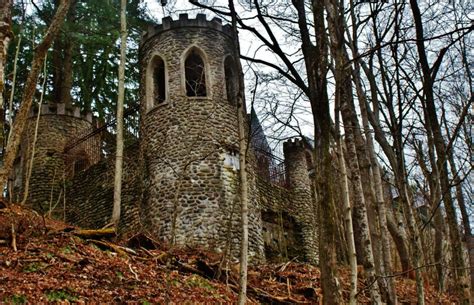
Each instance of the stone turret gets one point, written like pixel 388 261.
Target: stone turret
pixel 298 164
pixel 299 168
pixel 189 134
pixel 58 127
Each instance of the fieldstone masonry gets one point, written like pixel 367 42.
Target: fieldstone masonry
pixel 181 180
pixel 57 127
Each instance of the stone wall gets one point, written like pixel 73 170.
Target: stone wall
pixel 189 145
pixel 289 222
pixel 57 127
pixel 90 194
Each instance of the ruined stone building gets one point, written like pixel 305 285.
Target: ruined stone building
pixel 181 175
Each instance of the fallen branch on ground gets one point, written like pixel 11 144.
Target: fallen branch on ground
pixel 99 233
pixel 14 238
pixel 123 251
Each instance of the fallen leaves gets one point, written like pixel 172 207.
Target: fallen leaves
pixel 62 267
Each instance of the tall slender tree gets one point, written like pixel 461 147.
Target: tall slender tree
pixel 429 74
pixel 5 37
pixel 120 104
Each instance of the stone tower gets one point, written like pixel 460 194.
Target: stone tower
pixel 298 164
pixel 58 127
pixel 189 135
pixel 299 169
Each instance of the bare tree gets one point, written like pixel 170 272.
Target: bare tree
pixel 120 101
pixel 30 88
pixel 429 75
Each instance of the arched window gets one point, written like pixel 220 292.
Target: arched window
pixel 159 80
pixel 231 84
pixel 195 75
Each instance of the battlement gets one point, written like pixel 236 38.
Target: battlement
pixel 200 21
pixel 60 109
pixel 294 143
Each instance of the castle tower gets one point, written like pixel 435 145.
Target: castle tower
pixel 299 168
pixel 58 127
pixel 189 134
pixel 298 164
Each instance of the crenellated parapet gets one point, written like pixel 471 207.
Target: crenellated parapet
pixel 61 109
pixel 295 143
pixel 184 21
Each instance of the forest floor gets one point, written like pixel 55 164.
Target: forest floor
pixel 57 263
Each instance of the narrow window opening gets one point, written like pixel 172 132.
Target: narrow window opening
pixel 80 165
pixel 159 89
pixel 195 75
pixel 230 80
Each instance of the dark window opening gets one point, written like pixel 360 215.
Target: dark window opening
pixel 195 75
pixel 159 89
pixel 80 165
pixel 230 79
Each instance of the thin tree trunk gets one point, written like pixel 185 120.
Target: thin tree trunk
pixel 67 75
pixel 12 92
pixel 244 242
pixel 121 95
pixel 464 215
pixel 244 203
pixel 376 180
pixel 316 63
pixel 348 227
pixel 29 91
pixel 435 196
pixel 429 74
pixel 67 64
pixel 344 94
pixel 400 239
pixel 379 198
pixel 5 37
pixel 57 64
pixel 407 203
pixel 35 137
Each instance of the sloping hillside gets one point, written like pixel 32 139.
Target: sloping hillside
pixel 54 262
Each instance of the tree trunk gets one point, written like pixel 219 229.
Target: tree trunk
pixel 29 91
pixel 348 226
pixel 379 196
pixel 67 75
pixel 121 95
pixel 429 74
pixel 244 201
pixel 465 217
pixel 400 239
pixel 344 94
pixel 435 196
pixel 316 63
pixel 376 179
pixel 35 137
pixel 5 37
pixel 243 143
pixel 407 204
pixel 57 63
